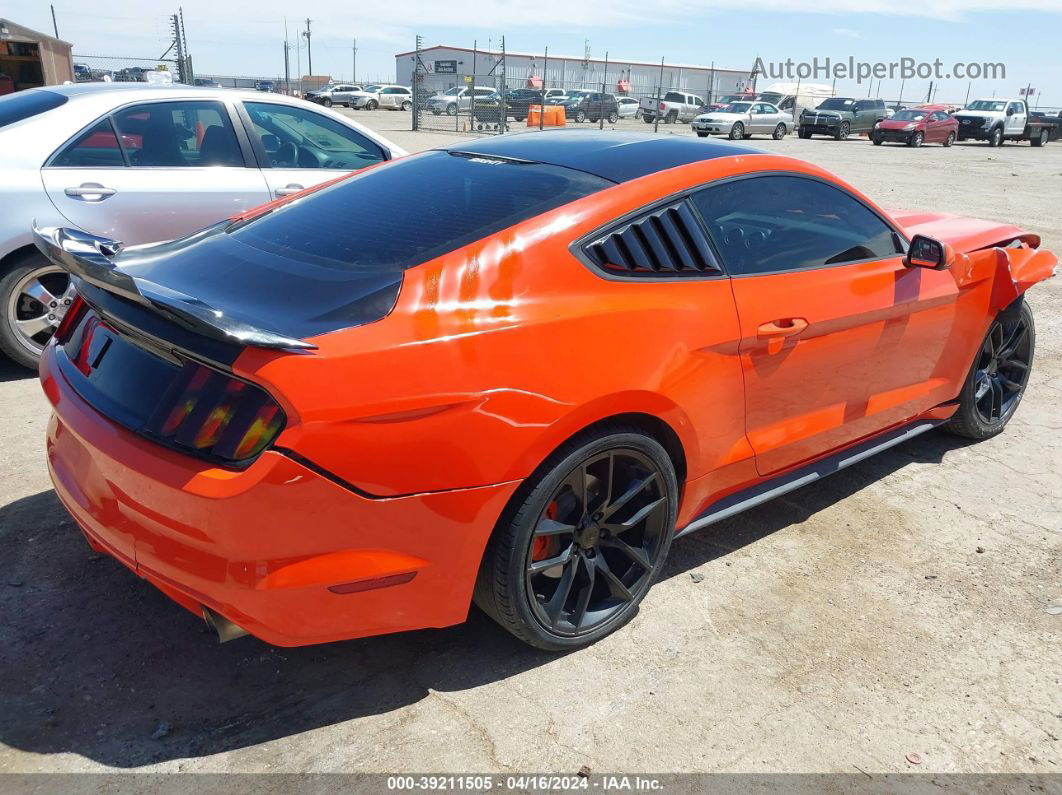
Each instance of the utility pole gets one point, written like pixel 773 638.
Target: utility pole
pixel 600 111
pixel 309 53
pixel 55 25
pixel 354 65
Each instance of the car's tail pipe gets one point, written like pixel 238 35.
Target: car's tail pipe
pixel 223 628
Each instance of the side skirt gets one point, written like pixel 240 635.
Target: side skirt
pixel 790 481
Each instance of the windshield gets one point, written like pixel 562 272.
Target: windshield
pixel 735 107
pixel 731 98
pixel 453 92
pixel 987 104
pixel 769 96
pixel 837 104
pixel 470 198
pixel 909 115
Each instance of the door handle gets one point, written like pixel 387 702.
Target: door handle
pixel 777 330
pixel 288 190
pixel 783 328
pixel 90 189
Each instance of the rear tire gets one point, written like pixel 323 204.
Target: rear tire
pixel 998 376
pixel 671 117
pixel 29 320
pixel 1041 139
pixel 407 105
pixel 647 119
pixel 702 134
pixel 613 117
pixel 779 131
pixel 602 571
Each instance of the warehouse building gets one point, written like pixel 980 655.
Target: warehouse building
pixel 445 67
pixel 29 59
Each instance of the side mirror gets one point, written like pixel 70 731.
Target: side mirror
pixel 1010 111
pixel 925 252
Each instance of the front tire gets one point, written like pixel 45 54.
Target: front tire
pixel 572 558
pixel 701 134
pixel 999 375
pixel 996 138
pixel 779 132
pixel 843 131
pixel 805 134
pixel 915 140
pixel 737 132
pixel 326 102
pixel 372 104
pixel 580 117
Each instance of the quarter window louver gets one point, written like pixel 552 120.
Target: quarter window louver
pixel 665 242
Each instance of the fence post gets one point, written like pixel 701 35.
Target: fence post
pixel 542 101
pixel 659 91
pixel 601 105
pixel 504 121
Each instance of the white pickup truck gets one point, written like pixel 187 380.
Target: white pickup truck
pixel 998 120
pixel 675 106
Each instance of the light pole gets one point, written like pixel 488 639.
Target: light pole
pixel 309 53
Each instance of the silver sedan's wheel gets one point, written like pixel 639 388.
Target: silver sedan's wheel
pixel 35 298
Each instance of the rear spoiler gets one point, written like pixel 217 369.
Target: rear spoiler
pixel 92 259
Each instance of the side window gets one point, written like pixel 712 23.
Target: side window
pixel 1016 107
pixel 862 105
pixel 781 223
pixel 295 137
pixel 178 134
pixel 96 148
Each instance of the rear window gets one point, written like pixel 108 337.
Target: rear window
pixel 413 210
pixel 24 104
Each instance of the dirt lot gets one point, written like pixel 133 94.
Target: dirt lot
pixel 902 606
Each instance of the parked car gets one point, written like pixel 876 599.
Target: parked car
pixel 675 106
pixel 841 116
pixel 207 393
pixel 267 86
pixel 82 72
pixel 999 120
pixel 132 74
pixel 205 82
pixel 593 106
pixel 456 100
pixel 628 108
pixel 336 94
pixel 176 159
pixel 743 120
pixel 385 96
pixel 916 127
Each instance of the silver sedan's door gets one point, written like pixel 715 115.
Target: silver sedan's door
pixel 180 166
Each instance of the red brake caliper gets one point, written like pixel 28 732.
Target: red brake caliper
pixel 543 546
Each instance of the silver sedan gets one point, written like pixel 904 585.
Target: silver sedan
pixel 142 163
pixel 743 120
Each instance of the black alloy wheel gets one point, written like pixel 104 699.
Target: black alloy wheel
pixel 585 545
pixel 999 376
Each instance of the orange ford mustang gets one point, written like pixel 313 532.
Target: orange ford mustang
pixel 509 372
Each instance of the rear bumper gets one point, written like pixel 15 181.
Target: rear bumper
pixel 261 547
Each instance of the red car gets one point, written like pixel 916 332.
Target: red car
pixel 509 371
pixel 917 126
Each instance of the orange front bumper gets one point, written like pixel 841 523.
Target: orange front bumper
pixel 263 546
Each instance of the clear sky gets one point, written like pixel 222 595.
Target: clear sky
pixel 240 37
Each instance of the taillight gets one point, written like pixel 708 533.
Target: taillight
pixel 70 319
pixel 212 414
pixel 662 106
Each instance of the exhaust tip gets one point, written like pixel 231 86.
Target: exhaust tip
pixel 222 627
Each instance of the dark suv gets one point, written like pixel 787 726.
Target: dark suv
pixel 593 107
pixel 841 116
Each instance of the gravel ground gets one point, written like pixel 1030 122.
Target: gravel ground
pixel 906 605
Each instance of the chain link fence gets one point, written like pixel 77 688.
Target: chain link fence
pixel 120 69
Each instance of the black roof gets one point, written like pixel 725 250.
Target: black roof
pixel 615 156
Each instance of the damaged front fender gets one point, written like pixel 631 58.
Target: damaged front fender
pixel 1013 270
